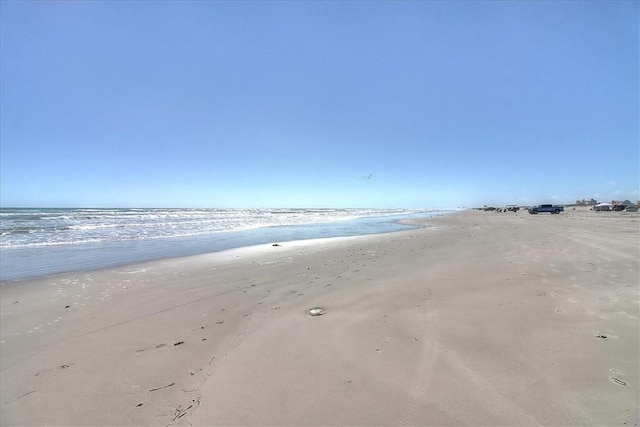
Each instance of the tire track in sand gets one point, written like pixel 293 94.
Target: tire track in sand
pixel 432 353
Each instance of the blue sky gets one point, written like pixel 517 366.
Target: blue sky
pixel 291 104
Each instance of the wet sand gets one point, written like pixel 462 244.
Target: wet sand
pixel 479 319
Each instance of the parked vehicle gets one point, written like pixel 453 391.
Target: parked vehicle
pixel 553 209
pixel 600 207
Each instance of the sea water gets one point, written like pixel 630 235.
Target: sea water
pixel 36 242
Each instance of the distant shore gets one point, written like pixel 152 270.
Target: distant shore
pixel 479 319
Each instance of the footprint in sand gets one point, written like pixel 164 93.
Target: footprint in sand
pixel 140 350
pixel 53 370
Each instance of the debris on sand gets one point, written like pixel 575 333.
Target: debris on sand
pixel 317 311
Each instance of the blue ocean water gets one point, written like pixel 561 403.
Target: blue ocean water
pixel 35 242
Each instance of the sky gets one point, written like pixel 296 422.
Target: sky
pixel 318 104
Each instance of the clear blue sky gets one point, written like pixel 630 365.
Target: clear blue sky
pixel 290 104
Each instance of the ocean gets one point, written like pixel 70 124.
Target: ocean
pixel 36 242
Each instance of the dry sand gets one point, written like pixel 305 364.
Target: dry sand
pixel 480 319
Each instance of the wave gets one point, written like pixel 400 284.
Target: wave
pixel 24 228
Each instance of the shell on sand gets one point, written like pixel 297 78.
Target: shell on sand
pixel 317 311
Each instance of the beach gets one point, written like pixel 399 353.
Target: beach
pixel 480 318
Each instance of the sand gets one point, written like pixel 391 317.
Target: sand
pixel 480 318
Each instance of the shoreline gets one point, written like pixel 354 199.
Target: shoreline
pixel 483 319
pixel 214 256
pixel 40 261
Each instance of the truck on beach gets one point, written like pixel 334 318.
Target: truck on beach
pixel 553 209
